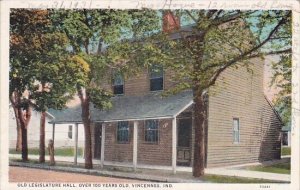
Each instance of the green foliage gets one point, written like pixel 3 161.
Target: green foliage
pixel 100 97
pixel 217 40
pixel 39 61
pixel 103 40
pixel 282 79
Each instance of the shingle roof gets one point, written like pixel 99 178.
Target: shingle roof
pixel 152 105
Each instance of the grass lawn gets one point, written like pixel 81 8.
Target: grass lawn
pixel 285 151
pixel 282 168
pixel 228 179
pixel 58 151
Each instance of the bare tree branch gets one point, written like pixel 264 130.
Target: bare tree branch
pixel 289 50
pixel 247 53
pixel 192 17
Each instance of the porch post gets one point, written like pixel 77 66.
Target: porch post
pixel 174 144
pixel 135 136
pixel 53 131
pixel 102 144
pixel 76 144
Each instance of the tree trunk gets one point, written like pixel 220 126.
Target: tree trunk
pixel 24 121
pixel 19 131
pixel 24 135
pixel 24 144
pixel 42 137
pixel 199 148
pixel 86 118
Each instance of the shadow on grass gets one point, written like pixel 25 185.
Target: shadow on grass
pixel 58 151
pixel 280 168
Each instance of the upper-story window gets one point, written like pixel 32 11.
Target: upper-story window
pixel 118 83
pixel 156 78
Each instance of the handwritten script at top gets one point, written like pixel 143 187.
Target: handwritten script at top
pixel 167 4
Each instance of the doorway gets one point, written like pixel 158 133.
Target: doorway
pixel 98 136
pixel 184 137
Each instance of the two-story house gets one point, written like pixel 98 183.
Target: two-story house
pixel 144 129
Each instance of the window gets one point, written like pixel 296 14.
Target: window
pixel 70 131
pixel 285 138
pixel 156 78
pixel 123 132
pixel 151 131
pixel 118 83
pixel 236 130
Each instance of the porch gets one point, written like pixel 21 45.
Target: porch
pixel 168 146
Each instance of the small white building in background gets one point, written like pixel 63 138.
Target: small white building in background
pixel 64 133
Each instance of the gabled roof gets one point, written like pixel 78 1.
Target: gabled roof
pixel 274 110
pixel 150 106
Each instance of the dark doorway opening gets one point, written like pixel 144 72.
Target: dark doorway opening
pixel 97 147
pixel 184 129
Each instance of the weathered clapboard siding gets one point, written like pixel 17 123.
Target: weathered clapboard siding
pixel 115 151
pixel 239 94
pixel 158 153
pixel 139 84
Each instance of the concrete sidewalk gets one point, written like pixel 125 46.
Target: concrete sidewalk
pixel 183 175
pixel 151 177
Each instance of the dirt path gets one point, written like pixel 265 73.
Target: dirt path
pixel 19 174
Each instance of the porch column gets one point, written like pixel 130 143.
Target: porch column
pixel 53 132
pixel 135 136
pixel 102 144
pixel 174 144
pixel 76 144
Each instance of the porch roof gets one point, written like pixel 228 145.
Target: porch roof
pixel 124 108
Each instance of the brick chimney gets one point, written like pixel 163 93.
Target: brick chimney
pixel 170 22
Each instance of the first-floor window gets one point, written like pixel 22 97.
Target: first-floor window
pixel 151 131
pixel 70 131
pixel 123 132
pixel 236 130
pixel 285 139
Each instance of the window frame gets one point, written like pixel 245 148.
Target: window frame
pixel 157 131
pixel 118 130
pixel 114 74
pixel 234 131
pixel 162 77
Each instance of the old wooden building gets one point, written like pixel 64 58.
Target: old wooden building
pixel 144 129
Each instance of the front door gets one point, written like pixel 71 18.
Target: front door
pixel 97 147
pixel 184 142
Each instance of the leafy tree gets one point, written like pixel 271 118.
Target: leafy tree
pixel 215 41
pixel 101 30
pixel 282 79
pixel 22 23
pixel 48 71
